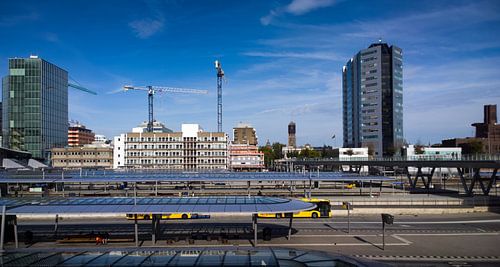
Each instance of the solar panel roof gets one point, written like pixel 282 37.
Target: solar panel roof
pixel 146 176
pixel 157 205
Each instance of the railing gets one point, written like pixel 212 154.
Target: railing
pixel 471 157
pixel 470 202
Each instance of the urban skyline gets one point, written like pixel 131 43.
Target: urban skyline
pixel 274 73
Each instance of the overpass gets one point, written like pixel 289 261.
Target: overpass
pixel 484 168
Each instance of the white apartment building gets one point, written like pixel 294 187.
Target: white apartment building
pixel 190 149
pixel 245 158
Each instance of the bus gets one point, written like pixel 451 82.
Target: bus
pixel 171 216
pixel 323 210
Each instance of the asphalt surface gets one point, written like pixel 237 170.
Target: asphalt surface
pixel 430 240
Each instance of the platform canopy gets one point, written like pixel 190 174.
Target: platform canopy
pixel 155 205
pixel 147 176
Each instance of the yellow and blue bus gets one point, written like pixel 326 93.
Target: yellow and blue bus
pixel 171 216
pixel 323 210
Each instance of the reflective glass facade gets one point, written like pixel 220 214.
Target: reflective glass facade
pixel 373 100
pixel 35 115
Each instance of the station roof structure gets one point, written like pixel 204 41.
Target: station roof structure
pixel 154 205
pixel 137 176
pixel 179 257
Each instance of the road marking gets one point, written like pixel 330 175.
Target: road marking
pixel 321 235
pixel 402 239
pixel 452 234
pixel 335 244
pixel 405 222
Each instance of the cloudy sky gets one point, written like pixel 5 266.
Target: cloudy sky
pixel 283 60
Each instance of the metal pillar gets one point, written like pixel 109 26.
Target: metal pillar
pixel 135 194
pixel 16 239
pixel 2 231
pixel 476 177
pixel 156 188
pixel 255 229
pixel 370 188
pixel 348 218
pixel 56 224
pixel 136 231
pixel 310 187
pixel 290 227
pixel 248 188
pixel 383 235
pixel 426 178
pixel 153 228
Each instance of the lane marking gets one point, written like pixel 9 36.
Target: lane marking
pixel 402 239
pixel 321 235
pixel 451 234
pixel 405 222
pixel 335 244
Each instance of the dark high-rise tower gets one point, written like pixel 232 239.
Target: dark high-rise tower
pixel 292 141
pixel 35 106
pixel 372 99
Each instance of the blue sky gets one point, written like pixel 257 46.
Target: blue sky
pixel 283 60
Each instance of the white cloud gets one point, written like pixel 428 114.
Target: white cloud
pixel 145 28
pixel 12 20
pixel 51 37
pixel 296 7
pixel 299 7
pixel 152 23
pixel 447 74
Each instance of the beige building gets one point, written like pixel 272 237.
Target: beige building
pixel 244 134
pixel 88 156
pixel 190 149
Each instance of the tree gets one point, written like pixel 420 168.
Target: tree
pixel 371 150
pixel 293 154
pixel 309 153
pixel 419 150
pixel 472 147
pixel 272 153
pixel 327 152
pixel 268 155
pixel 278 150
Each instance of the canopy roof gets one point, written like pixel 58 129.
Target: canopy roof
pixel 137 176
pixel 154 205
pixel 179 257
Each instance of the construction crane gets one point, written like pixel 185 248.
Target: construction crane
pixel 220 77
pixel 152 90
pixel 81 88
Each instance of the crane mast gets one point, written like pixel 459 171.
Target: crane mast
pixel 220 76
pixel 152 90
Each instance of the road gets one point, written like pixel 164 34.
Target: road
pixel 463 239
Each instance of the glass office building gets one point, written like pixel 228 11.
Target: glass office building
pixel 35 106
pixel 372 87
